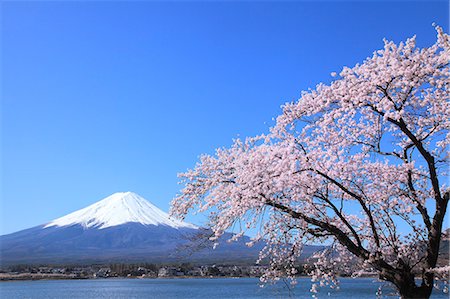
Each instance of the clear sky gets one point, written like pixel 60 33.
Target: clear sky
pixel 100 97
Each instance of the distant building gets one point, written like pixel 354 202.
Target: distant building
pixel 102 273
pixel 167 272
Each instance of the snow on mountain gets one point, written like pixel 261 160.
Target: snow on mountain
pixel 116 209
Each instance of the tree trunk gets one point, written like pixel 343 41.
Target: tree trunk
pixel 407 287
pixel 409 292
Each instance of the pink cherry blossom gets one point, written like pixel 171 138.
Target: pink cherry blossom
pixel 347 162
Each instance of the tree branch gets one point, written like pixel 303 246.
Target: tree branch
pixel 359 199
pixel 335 231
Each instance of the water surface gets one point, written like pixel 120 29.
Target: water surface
pixel 201 288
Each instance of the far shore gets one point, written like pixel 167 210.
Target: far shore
pixel 33 276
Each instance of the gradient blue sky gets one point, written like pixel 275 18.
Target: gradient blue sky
pixel 100 97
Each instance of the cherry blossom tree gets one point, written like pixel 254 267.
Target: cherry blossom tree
pixel 360 161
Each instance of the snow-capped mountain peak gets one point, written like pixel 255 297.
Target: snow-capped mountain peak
pixel 119 208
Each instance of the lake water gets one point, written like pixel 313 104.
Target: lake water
pixel 247 288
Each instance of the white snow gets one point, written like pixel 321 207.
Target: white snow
pixel 119 208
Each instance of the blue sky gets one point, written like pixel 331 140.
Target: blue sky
pixel 100 97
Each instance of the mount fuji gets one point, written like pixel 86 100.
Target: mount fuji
pixel 123 227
